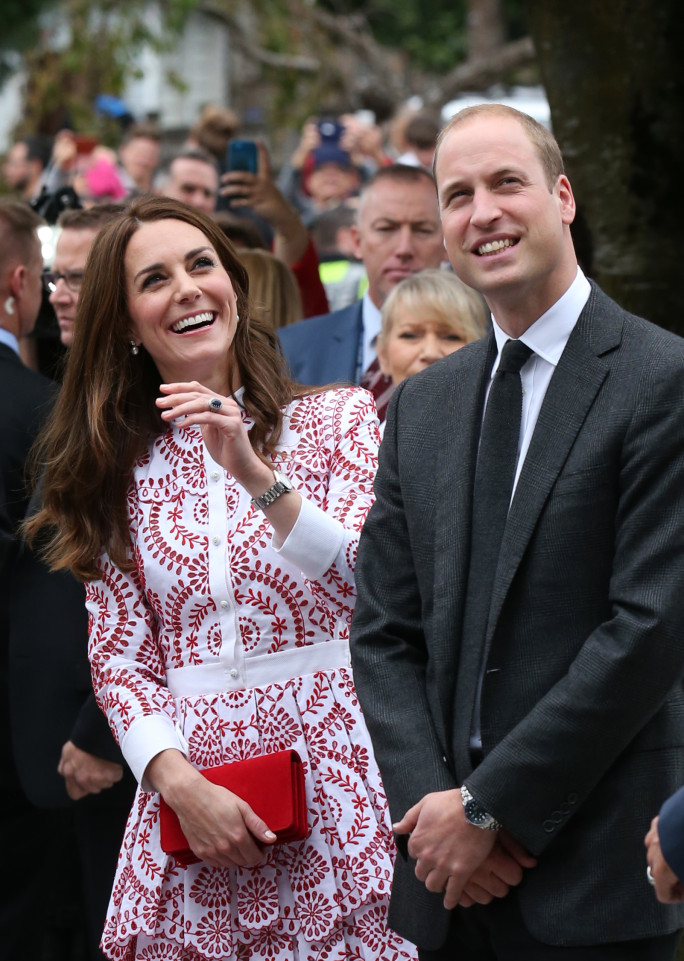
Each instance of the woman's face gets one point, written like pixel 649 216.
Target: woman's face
pixel 181 302
pixel 414 341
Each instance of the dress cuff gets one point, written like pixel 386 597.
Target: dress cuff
pixel 147 737
pixel 314 541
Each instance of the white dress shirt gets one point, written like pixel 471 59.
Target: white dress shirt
pixel 547 337
pixel 9 339
pixel 372 321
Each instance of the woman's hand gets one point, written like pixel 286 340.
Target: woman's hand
pixel 227 441
pixel 220 827
pixel 222 429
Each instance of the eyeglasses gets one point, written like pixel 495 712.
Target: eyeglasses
pixel 72 278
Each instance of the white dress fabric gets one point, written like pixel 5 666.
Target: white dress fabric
pixel 225 644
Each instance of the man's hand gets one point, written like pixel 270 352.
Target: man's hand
pixel 446 848
pixel 502 871
pixel 260 193
pixel 668 887
pixel 85 773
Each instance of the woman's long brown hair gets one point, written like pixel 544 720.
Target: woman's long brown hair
pixel 105 416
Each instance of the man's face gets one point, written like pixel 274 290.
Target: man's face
pixel 16 170
pixel 71 253
pixel 506 232
pixel 332 183
pixel 194 182
pixel 140 157
pixel 398 233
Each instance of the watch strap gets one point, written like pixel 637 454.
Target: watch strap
pixel 280 486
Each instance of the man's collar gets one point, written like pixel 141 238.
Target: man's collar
pixel 8 338
pixel 549 334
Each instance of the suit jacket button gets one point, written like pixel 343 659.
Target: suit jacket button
pixel 549 827
pixel 573 798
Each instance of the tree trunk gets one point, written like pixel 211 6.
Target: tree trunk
pixel 616 89
pixel 485 28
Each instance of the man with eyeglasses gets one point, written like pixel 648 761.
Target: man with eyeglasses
pixel 78 229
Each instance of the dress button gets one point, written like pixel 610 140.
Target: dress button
pixel 233 672
pixel 224 604
pixel 216 540
pixel 215 475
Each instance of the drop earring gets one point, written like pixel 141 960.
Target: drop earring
pixel 9 305
pixel 135 350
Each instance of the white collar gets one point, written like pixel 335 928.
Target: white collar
pixel 549 334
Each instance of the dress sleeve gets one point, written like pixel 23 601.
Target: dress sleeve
pixel 127 668
pixel 324 539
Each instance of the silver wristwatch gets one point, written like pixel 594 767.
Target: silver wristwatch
pixel 475 814
pixel 282 486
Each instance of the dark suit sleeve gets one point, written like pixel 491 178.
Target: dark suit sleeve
pixel 537 777
pixel 388 645
pixel 91 733
pixel 671 832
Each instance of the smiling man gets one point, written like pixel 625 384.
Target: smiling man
pixel 397 233
pixel 517 642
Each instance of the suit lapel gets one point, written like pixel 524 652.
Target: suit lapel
pixel 345 336
pixel 569 398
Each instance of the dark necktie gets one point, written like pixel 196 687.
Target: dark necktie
pixel 381 387
pixel 496 464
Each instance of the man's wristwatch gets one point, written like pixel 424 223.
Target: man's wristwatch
pixel 475 814
pixel 282 486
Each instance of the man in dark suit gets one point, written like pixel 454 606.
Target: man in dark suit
pixel 397 234
pixel 25 397
pixel 527 720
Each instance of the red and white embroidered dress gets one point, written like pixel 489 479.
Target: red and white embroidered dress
pixel 224 643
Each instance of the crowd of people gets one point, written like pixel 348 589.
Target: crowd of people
pixel 353 460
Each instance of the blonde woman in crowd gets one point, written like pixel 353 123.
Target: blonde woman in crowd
pixel 425 317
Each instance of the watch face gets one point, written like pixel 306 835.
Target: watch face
pixel 474 813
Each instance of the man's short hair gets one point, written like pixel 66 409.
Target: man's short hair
pixel 422 131
pixel 399 174
pixel 147 131
pixel 187 153
pixel 541 138
pixel 90 219
pixel 18 225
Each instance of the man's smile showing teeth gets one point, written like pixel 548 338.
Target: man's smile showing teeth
pixel 495 246
pixel 192 323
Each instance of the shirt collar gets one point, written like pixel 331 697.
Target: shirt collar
pixel 8 338
pixel 548 335
pixel 372 318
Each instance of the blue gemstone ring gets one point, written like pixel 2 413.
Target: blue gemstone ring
pixel 215 404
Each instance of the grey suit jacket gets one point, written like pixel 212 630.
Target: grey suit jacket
pixel 582 703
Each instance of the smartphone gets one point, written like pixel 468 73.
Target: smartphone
pixel 242 155
pixel 330 130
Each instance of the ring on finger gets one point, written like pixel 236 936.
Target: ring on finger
pixel 649 875
pixel 215 404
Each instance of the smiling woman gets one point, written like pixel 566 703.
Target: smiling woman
pixel 214 507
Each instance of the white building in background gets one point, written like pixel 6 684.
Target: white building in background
pixel 199 60
pixel 531 100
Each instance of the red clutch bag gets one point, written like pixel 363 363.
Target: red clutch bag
pixel 272 785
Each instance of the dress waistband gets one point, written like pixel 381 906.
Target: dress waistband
pixel 258 671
